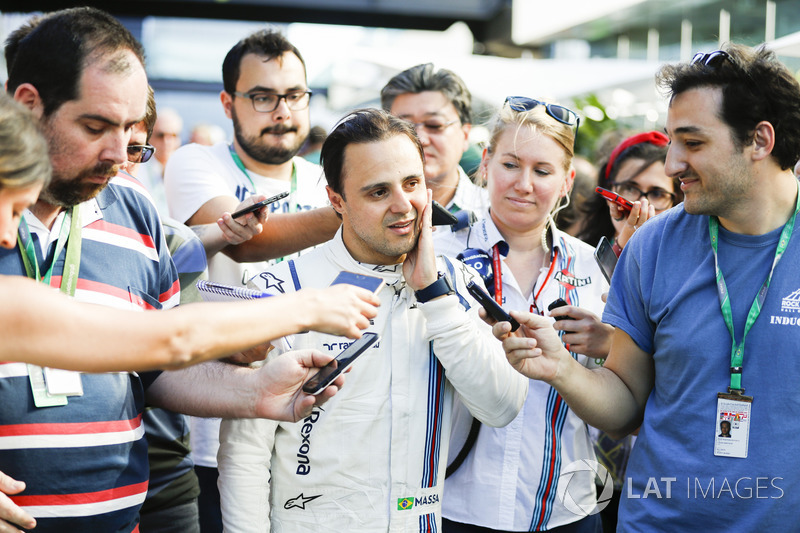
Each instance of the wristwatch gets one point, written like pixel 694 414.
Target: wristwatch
pixel 440 287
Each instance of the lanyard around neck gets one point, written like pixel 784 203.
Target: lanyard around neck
pixel 240 165
pixel 737 350
pixel 70 236
pixel 497 267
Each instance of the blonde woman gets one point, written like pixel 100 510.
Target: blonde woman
pixel 509 479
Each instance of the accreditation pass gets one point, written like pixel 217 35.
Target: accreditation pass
pixel 732 429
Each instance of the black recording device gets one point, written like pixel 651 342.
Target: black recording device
pixel 492 307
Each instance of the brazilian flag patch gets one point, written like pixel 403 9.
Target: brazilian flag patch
pixel 404 504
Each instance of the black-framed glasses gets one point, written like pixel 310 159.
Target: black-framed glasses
pixel 432 126
pixel 269 102
pixel 560 113
pixel 711 59
pixel 140 153
pixel 658 197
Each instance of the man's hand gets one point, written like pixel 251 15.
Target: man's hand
pixel 340 309
pixel 538 352
pixel 419 268
pixel 280 385
pixel 586 334
pixel 243 228
pixel 256 353
pixel 9 512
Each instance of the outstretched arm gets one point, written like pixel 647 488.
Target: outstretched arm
pixel 78 336
pixel 611 398
pixel 282 234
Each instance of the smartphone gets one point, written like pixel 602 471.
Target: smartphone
pixel 492 307
pixel 561 302
pixel 258 205
pixel 328 373
pixel 441 216
pixel 371 283
pixel 616 198
pixel 605 257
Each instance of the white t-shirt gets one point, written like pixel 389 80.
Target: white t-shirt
pixel 196 174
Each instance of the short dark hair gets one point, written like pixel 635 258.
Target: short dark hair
pixel 756 87
pixel 52 52
pixel 426 78
pixel 266 43
pixel 360 127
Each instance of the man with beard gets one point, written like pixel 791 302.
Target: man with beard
pixel 77 440
pixel 267 98
pixel 374 461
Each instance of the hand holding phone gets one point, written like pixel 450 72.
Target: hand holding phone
pixel 615 198
pixel 328 373
pixel 492 308
pixel 258 205
pixel 560 303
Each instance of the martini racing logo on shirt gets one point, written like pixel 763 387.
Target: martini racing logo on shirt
pixel 406 504
pixel 569 280
pixel 789 304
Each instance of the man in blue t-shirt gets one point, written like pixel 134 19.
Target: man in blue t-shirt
pixel 705 302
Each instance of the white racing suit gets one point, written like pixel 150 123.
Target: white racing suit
pixel 373 458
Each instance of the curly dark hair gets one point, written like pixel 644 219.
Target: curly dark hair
pixel 755 86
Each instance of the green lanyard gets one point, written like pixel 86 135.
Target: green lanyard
pixel 293 186
pixel 69 236
pixel 737 351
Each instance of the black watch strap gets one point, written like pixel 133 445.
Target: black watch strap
pixel 440 287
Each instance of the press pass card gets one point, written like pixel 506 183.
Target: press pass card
pixel 732 425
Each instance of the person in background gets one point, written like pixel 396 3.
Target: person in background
pixel 313 145
pixel 511 476
pixel 207 134
pixel 166 138
pixel 439 105
pixel 692 285
pixel 635 171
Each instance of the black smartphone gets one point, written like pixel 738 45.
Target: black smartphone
pixel 328 373
pixel 258 205
pixel 372 283
pixel 441 216
pixel 492 307
pixel 605 257
pixel 561 302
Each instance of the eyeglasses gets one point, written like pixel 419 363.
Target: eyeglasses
pixel 269 102
pixel 432 127
pixel 140 153
pixel 658 197
pixel 560 113
pixel 711 59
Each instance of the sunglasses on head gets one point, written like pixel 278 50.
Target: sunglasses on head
pixel 140 153
pixel 562 114
pixel 711 59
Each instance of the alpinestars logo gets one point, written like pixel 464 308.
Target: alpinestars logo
pixel 272 281
pixel 300 502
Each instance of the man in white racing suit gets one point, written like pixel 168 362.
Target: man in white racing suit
pixel 374 458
